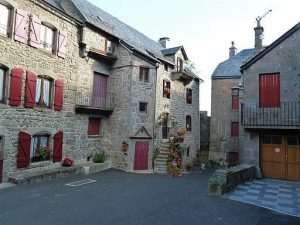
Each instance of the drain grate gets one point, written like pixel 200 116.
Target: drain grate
pixel 81 182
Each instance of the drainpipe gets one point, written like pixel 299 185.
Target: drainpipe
pixel 154 107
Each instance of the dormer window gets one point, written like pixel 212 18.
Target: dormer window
pixel 109 48
pixel 47 38
pixel 179 65
pixel 4 19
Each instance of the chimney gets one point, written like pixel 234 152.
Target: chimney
pixel 163 41
pixel 259 33
pixel 232 50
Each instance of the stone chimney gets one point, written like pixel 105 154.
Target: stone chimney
pixel 232 50
pixel 163 41
pixel 259 34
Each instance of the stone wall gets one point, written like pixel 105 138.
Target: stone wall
pixel 222 116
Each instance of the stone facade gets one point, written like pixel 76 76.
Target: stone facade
pixel 204 130
pixel 283 58
pixel 86 55
pixel 222 115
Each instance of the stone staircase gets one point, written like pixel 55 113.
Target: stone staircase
pixel 161 160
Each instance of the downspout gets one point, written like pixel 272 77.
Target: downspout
pixel 154 107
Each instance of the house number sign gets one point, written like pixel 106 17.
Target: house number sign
pixel 277 150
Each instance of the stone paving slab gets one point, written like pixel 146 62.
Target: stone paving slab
pixel 278 195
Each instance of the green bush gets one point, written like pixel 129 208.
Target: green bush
pixel 99 157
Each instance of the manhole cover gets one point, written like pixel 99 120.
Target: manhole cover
pixel 81 182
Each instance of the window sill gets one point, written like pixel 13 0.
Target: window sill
pixel 94 136
pixel 52 55
pixel 40 164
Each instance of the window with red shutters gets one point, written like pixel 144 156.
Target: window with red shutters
pixel 15 87
pixel 235 103
pixel 35 31
pixel 23 157
pixel 188 123
pixel 58 146
pixel 20 23
pixel 59 95
pixel 62 43
pixel 269 90
pixel 94 126
pixel 30 89
pixel 234 129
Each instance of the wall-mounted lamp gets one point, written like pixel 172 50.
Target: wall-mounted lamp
pixel 125 147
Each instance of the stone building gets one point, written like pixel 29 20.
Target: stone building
pixel 270 111
pixel 204 130
pixel 75 80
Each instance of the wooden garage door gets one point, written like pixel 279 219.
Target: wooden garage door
pixel 280 157
pixel 141 155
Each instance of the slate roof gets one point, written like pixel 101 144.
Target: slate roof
pixel 231 67
pixel 246 65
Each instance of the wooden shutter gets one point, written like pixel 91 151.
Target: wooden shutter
pixel 94 126
pixel 30 90
pixel 23 157
pixel 59 95
pixel 20 23
pixel 62 43
pixel 15 87
pixel 99 90
pixel 235 102
pixel 35 30
pixel 141 155
pixel 234 129
pixel 269 90
pixel 57 146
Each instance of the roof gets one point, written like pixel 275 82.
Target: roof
pixel 231 67
pixel 174 50
pixel 271 47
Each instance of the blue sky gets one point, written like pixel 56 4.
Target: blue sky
pixel 205 27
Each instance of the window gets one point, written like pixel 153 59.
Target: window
pixel 235 102
pixel 39 150
pixel 189 95
pixel 188 123
pixel 2 84
pixel 269 90
pixel 43 92
pixel 109 46
pixel 144 74
pixel 4 19
pixel 166 67
pixel 143 107
pixel 94 126
pixel 234 129
pixel 166 89
pixel 179 65
pixel 47 38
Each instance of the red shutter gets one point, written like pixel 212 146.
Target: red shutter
pixel 62 44
pixel 15 87
pixel 94 126
pixel 269 90
pixel 235 102
pixel 57 146
pixel 141 155
pixel 30 90
pixel 99 90
pixel 59 95
pixel 20 23
pixel 35 30
pixel 234 129
pixel 23 157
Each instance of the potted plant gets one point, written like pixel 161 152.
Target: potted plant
pixel 189 166
pixel 177 172
pixel 67 162
pixel 215 186
pixel 99 157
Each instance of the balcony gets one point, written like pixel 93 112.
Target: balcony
pixel 102 105
pixel 184 73
pixel 287 115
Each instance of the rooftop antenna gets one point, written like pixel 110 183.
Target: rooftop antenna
pixel 259 18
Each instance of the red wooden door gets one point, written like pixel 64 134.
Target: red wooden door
pixel 99 90
pixel 269 90
pixel 141 155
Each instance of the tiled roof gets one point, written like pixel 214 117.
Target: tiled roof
pixel 231 67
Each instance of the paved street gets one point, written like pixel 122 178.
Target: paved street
pixel 118 198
